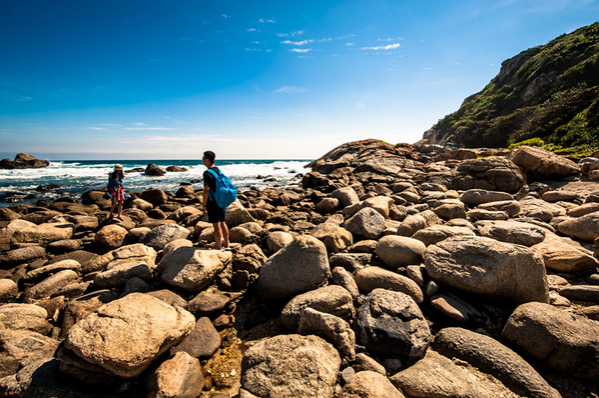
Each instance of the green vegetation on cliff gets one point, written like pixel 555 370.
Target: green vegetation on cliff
pixel 550 92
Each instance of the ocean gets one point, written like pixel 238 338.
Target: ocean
pixel 73 178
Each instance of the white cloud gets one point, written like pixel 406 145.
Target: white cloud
pixel 387 47
pixel 350 44
pixel 227 16
pixel 252 30
pixel 301 50
pixel 390 39
pixel 293 34
pixel 148 128
pixel 139 124
pixel 291 89
pixel 95 128
pixel 268 20
pixel 297 43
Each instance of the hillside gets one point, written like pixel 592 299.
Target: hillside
pixel 550 92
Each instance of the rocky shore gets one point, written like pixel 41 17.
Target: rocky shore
pixel 393 271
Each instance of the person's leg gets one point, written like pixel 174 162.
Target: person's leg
pixel 217 236
pixel 120 209
pixel 225 233
pixel 113 206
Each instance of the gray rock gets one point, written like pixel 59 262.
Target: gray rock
pixel 202 342
pixel 178 377
pixel 148 325
pixel 391 324
pixel 366 223
pixel 399 251
pixel 290 366
pixel 371 278
pixel 368 384
pixel 332 299
pixel 158 237
pixel 490 268
pixel 191 268
pixel 558 339
pixel 415 222
pixel 494 358
pixel 299 267
pixel 346 195
pixel 277 240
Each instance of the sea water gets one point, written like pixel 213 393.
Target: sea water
pixel 73 178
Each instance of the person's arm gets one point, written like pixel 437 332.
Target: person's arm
pixel 205 196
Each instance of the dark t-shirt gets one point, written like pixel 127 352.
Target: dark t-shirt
pixel 210 182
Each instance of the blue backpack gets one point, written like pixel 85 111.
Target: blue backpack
pixel 225 192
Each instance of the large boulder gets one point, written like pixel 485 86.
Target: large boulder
pixel 177 377
pixel 334 237
pixel 23 161
pixel 50 285
pixel 563 255
pixel 490 268
pixel 557 339
pixel 43 234
pixel 300 266
pixel 475 197
pixel 332 299
pixel 513 232
pixel 125 254
pixel 541 163
pixel 125 336
pixel 391 324
pixel 19 348
pixel 415 222
pixel 110 237
pixel 290 366
pixel 371 278
pixel 492 173
pixel 17 316
pixel 191 268
pixel 494 358
pixel 155 171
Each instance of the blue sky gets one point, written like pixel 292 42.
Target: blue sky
pixel 83 79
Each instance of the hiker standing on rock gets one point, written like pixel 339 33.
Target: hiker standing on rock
pixel 115 190
pixel 219 192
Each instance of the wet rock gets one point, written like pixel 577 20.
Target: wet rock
pixel 300 266
pixel 488 267
pixel 155 171
pixel 191 268
pixel 391 324
pixel 559 340
pixel 148 325
pixel 288 366
pixel 332 299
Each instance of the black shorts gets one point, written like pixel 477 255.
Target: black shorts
pixel 215 213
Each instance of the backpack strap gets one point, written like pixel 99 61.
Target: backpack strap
pixel 215 177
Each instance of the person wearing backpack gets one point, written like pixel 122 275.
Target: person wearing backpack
pixel 218 194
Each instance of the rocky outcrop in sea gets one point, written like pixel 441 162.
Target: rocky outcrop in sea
pixel 392 271
pixel 23 161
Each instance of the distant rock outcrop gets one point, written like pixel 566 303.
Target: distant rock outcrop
pixel 23 161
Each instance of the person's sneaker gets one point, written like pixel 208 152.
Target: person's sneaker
pixel 226 249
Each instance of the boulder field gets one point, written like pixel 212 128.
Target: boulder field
pixel 392 271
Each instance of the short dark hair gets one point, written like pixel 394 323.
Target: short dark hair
pixel 210 156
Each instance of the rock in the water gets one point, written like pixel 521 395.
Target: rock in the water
pixel 125 336
pixel 300 266
pixel 290 366
pixel 494 358
pixel 178 377
pixel 191 268
pixel 541 163
pixel 399 251
pixel 436 376
pixel 490 268
pixel 153 170
pixel 367 223
pixel 369 384
pixel 391 324
pixel 558 339
pixel 332 299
